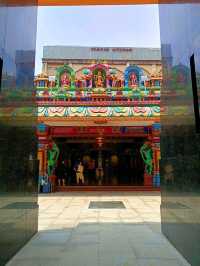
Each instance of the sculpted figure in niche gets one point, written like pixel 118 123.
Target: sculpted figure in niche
pixel 88 79
pixel 114 81
pixel 121 83
pixel 133 80
pixel 99 80
pixel 65 80
pixel 110 81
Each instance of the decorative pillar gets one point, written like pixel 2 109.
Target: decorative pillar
pixel 99 168
pixel 156 154
pixel 147 179
pixel 43 136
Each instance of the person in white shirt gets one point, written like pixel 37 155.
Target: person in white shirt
pixel 79 174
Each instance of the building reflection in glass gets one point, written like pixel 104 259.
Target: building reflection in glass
pixel 180 143
pixel 18 144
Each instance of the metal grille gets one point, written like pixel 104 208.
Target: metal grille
pixel 106 205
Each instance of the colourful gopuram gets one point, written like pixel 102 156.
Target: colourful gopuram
pixel 99 115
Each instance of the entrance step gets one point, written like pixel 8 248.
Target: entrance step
pixel 105 188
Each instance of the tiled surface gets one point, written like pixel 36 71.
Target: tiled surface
pixel 70 234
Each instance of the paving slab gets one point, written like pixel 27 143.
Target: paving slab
pixel 126 233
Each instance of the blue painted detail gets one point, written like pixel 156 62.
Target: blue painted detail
pixel 123 129
pixel 40 145
pixel 146 130
pixel 158 184
pixel 156 180
pixel 42 127
pixel 157 83
pixel 41 83
pixel 156 126
pixel 133 69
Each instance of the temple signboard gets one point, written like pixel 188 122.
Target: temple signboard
pixel 114 49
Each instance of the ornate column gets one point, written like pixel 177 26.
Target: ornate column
pixel 43 139
pixel 147 179
pixel 100 167
pixel 156 154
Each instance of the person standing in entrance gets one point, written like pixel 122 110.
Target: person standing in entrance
pixel 60 172
pixel 79 173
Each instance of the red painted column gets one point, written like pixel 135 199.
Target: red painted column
pixel 156 149
pixel 43 139
pixel 148 180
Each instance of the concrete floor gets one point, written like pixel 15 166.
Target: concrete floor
pixel 70 234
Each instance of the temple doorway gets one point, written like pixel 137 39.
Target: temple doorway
pixel 117 163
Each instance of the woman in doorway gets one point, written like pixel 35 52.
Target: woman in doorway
pixel 79 173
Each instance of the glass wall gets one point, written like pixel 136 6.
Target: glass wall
pixel 180 140
pixel 18 143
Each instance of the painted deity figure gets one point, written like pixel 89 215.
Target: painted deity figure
pixel 133 79
pixel 53 153
pixel 88 79
pixel 99 80
pixel 121 83
pixel 147 156
pixel 114 81
pixel 65 80
pixel 76 83
pixel 109 81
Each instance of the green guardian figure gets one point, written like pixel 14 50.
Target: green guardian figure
pixel 147 156
pixel 53 154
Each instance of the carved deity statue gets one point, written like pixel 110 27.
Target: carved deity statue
pixel 147 156
pixel 99 80
pixel 65 80
pixel 133 79
pixel 88 80
pixel 114 81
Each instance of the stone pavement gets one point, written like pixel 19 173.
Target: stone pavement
pixel 71 234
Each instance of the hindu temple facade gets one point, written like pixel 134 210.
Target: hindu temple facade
pixel 100 106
